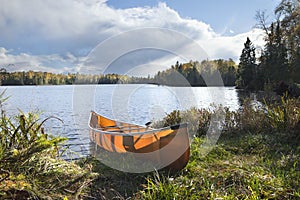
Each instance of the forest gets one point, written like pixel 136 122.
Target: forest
pixel 190 71
pixel 278 66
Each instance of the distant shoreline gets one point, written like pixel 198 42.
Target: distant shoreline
pixel 156 84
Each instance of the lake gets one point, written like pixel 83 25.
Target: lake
pixel 132 103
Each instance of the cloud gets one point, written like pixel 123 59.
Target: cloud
pixel 26 62
pixel 231 46
pixel 56 35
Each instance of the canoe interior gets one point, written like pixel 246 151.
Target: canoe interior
pixel 168 145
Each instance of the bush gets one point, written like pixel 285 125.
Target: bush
pixel 283 116
pixel 30 166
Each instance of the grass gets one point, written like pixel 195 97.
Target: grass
pixel 262 166
pixel 244 166
pixel 256 157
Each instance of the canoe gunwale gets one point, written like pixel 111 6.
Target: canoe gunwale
pixel 129 134
pixel 116 132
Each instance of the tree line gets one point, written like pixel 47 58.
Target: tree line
pixel 197 73
pixel 180 74
pixel 47 78
pixel 34 78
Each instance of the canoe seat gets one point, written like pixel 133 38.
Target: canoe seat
pixel 105 122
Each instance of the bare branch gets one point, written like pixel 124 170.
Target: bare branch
pixel 261 19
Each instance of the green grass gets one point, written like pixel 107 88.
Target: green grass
pixel 249 167
pixel 244 166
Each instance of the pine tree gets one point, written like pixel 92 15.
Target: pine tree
pixel 274 62
pixel 288 11
pixel 247 68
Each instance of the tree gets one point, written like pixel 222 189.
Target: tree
pixel 247 68
pixel 3 74
pixel 288 11
pixel 274 62
pixel 280 59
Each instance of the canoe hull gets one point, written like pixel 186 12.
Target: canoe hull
pixel 167 148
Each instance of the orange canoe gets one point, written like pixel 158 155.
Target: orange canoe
pixel 167 147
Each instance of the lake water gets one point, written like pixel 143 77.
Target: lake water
pixel 132 103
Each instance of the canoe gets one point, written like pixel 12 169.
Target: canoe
pixel 166 147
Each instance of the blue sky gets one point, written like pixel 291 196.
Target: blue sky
pixel 224 16
pixel 60 36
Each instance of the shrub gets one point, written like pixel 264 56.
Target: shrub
pixel 282 116
pixel 30 166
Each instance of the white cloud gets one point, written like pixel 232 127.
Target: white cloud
pixel 26 62
pixel 54 35
pixel 231 46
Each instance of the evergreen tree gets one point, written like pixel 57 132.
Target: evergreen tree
pixel 274 61
pixel 289 13
pixel 247 68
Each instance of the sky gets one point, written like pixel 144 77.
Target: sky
pixel 124 35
